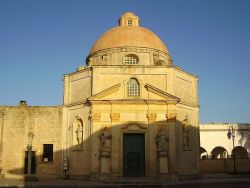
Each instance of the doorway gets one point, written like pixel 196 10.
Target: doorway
pixel 134 154
pixel 33 162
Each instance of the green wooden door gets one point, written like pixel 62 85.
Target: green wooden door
pixel 133 155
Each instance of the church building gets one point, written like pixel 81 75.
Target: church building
pixel 130 112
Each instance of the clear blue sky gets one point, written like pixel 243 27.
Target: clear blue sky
pixel 42 40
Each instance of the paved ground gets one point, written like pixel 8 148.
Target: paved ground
pixel 216 185
pixel 212 180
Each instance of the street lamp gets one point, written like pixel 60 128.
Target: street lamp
pixel 231 134
pixel 30 139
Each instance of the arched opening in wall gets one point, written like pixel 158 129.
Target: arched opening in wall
pixel 219 153
pixel 203 153
pixel 77 133
pixel 133 88
pixel 130 22
pixel 131 59
pixel 240 152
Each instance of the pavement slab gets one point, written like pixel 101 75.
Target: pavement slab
pixel 206 179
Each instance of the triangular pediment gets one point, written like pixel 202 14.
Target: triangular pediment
pixel 134 127
pixel 158 92
pixel 106 92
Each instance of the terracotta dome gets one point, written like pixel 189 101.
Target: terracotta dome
pixel 128 34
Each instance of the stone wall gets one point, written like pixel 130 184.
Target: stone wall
pixel 77 86
pixel 15 124
pixel 225 166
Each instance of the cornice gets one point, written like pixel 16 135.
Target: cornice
pixel 190 105
pixel 170 98
pixel 88 68
pixel 133 66
pixel 182 71
pixel 128 101
pixel 75 103
pixel 127 49
pixel 106 91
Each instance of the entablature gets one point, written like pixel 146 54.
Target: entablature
pixel 128 101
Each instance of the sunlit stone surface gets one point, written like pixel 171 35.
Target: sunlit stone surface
pixel 130 112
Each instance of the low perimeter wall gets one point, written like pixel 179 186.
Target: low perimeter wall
pixel 225 165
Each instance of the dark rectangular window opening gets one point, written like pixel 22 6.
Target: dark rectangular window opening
pixel 47 152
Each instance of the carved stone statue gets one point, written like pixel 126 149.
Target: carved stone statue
pixel 105 138
pixel 162 141
pixel 186 134
pixel 78 130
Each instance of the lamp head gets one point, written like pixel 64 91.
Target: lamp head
pixel 30 138
pixel 233 134
pixel 229 133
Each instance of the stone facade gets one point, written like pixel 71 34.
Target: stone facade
pixel 128 112
pixel 15 124
pixel 167 100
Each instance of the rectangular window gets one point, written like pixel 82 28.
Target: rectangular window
pixel 47 152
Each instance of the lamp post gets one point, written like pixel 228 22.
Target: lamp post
pixel 65 167
pixel 231 134
pixel 30 139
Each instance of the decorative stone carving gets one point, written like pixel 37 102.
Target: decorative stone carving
pixel 96 117
pixel 115 116
pixel 156 57
pixel 105 147
pixel 162 150
pixel 171 115
pixel 80 68
pixel 151 116
pixel 134 127
pixel 186 133
pixel 78 133
pixel 162 142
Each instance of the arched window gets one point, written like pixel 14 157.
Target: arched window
pixel 133 88
pixel 130 22
pixel 130 59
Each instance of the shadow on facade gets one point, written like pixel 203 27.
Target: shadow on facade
pixel 162 149
pixel 244 135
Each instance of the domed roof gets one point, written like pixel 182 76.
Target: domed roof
pixel 128 34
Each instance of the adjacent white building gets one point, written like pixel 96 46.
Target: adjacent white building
pixel 215 143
